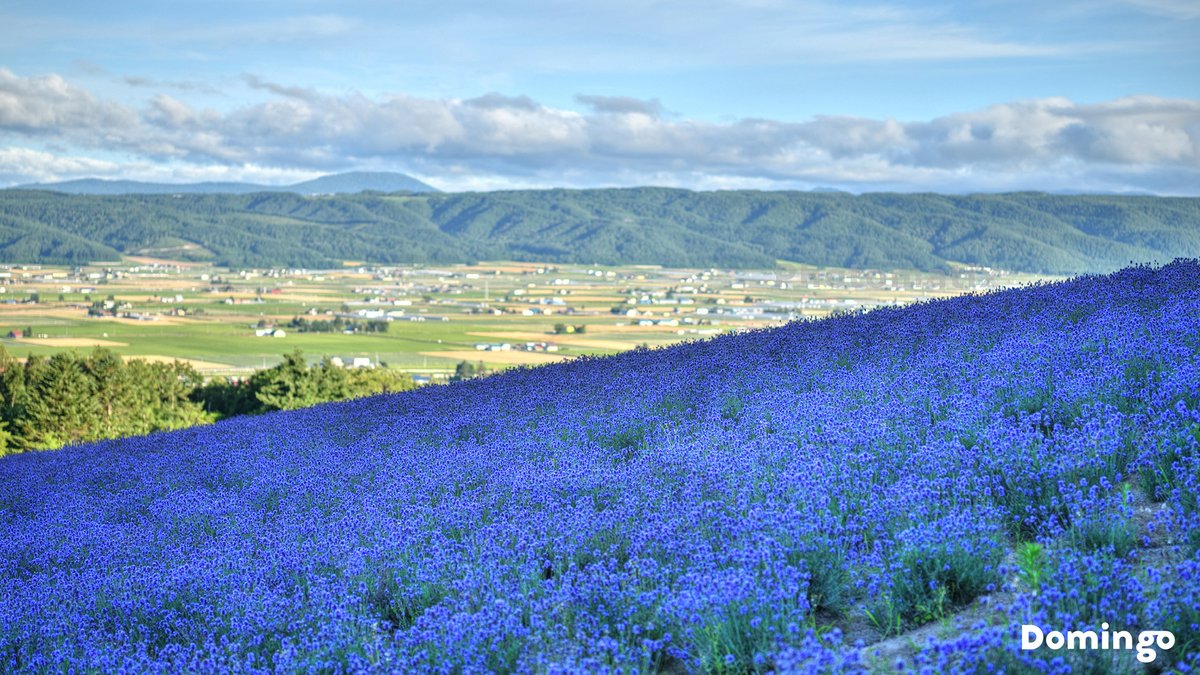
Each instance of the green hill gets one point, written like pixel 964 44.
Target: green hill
pixel 1030 232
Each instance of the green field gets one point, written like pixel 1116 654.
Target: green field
pixel 210 315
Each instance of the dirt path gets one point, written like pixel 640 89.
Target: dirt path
pixel 882 652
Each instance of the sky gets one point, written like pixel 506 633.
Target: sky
pixel 987 96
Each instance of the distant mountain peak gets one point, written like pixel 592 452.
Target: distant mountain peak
pixel 341 183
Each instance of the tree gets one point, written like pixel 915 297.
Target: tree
pixel 465 370
pixel 12 399
pixel 62 406
pixel 371 381
pixel 287 386
pixel 226 398
pixel 165 399
pixel 115 394
pixel 13 393
pixel 332 382
pixel 6 440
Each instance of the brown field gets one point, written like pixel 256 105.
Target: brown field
pixel 12 314
pixel 161 284
pixel 512 358
pixel 73 342
pixel 41 310
pixel 158 321
pixel 197 364
pixel 515 268
pixel 585 296
pixel 306 296
pixel 145 260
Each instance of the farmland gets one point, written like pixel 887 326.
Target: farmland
pixel 896 490
pixel 502 314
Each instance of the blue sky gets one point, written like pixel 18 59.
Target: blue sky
pixel 954 97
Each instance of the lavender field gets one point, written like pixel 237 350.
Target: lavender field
pixel 896 490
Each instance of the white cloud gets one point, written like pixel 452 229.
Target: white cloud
pixel 1141 142
pixel 48 104
pixel 24 165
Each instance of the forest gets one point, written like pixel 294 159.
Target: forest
pixel 69 398
pixel 1024 232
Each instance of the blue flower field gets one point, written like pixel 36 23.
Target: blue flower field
pixel 897 490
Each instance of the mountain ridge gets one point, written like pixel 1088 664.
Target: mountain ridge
pixel 351 182
pixel 1023 232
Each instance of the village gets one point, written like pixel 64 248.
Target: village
pixel 427 320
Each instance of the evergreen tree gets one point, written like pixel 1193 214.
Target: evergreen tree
pixel 166 395
pixel 13 394
pixel 332 382
pixel 287 386
pixel 62 406
pixel 120 398
pixel 6 440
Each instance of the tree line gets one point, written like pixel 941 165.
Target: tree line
pixel 337 325
pixel 296 384
pixel 49 402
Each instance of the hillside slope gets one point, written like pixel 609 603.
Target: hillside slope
pixel 754 501
pixel 1021 232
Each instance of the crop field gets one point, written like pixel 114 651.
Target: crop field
pixel 436 318
pixel 896 490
